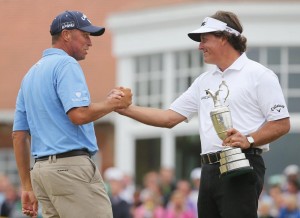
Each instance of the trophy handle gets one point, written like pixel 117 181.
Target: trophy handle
pixel 224 84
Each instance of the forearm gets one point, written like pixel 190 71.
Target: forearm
pixel 117 99
pixel 268 133
pixel 22 154
pixel 271 131
pixel 94 111
pixel 153 116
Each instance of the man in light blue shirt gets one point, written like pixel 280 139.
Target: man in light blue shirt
pixel 46 98
pixel 54 112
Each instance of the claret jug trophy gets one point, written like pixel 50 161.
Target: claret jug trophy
pixel 233 161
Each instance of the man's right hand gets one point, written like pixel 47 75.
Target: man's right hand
pixel 29 204
pixel 120 97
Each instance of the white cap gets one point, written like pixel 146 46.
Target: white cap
pixel 211 25
pixel 292 169
pixel 113 173
pixel 196 173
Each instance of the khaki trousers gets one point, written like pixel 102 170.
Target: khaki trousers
pixel 70 187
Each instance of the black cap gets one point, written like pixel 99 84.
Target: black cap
pixel 74 20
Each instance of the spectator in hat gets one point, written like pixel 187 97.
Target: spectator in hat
pixel 120 207
pixel 292 172
pixel 54 121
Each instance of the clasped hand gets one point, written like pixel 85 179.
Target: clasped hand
pixel 120 97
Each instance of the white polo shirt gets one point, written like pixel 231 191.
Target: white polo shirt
pixel 255 97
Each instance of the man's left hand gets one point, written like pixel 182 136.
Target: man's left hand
pixel 236 139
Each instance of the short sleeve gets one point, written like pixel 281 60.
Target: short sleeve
pixel 20 117
pixel 270 97
pixel 187 103
pixel 71 87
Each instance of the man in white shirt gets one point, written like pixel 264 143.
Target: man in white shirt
pixel 258 109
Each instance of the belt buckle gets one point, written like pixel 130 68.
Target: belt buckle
pixel 213 161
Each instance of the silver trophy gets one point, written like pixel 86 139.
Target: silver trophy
pixel 233 161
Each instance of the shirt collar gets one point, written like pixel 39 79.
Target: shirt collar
pixel 52 51
pixel 237 65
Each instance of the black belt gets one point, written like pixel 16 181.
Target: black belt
pixel 66 154
pixel 212 158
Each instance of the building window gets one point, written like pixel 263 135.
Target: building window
pixel 285 62
pixel 188 66
pixel 149 76
pixel 148 152
pixel 188 149
pixel 148 80
pixel 8 165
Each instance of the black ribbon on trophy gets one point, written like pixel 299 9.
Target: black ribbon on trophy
pixel 233 161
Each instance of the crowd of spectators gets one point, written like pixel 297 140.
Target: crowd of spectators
pixel 161 196
pixel 282 197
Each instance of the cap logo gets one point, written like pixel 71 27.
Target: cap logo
pixel 67 25
pixel 209 25
pixel 74 20
pixel 228 29
pixel 84 17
